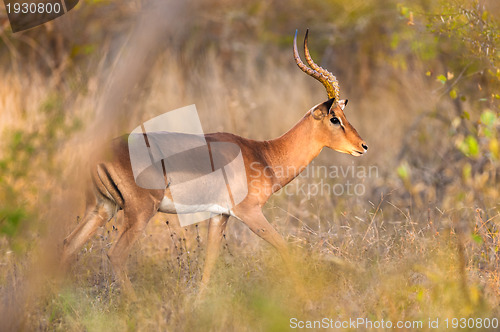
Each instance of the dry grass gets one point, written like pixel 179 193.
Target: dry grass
pixel 407 249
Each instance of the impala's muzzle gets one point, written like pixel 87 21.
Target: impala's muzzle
pixel 361 151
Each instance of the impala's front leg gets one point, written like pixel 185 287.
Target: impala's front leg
pixel 255 219
pixel 257 222
pixel 216 228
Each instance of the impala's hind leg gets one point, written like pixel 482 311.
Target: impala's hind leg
pixel 135 222
pixel 216 228
pixel 99 211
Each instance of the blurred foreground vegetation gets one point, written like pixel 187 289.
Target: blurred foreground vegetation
pixel 423 82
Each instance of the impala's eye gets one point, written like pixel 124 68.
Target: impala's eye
pixel 335 120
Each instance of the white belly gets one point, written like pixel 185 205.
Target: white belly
pixel 168 206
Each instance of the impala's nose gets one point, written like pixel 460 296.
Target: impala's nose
pixel 364 146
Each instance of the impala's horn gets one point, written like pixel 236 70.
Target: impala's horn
pixel 324 76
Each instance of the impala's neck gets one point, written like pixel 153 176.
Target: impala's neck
pixel 290 153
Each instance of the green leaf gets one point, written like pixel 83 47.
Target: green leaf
pixel 442 79
pixel 403 171
pixel 477 238
pixel 453 94
pixel 488 118
pixel 404 11
pixel 469 146
pixel 420 295
pixel 472 145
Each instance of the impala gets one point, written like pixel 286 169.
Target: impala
pixel 114 187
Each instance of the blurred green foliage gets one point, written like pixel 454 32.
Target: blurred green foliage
pixel 28 164
pixel 457 43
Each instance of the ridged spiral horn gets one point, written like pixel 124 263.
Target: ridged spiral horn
pixel 324 76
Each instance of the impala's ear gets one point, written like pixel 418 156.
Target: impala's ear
pixel 343 103
pixel 323 109
pixel 328 104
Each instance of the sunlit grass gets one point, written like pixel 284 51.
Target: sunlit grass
pixel 250 290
